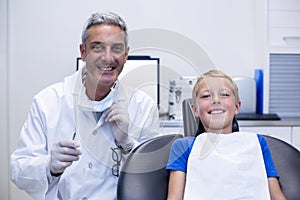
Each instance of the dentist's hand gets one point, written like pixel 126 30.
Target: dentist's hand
pixel 118 118
pixel 63 154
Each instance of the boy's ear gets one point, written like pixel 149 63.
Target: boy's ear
pixel 195 110
pixel 237 107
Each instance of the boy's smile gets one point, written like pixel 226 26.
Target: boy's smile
pixel 216 104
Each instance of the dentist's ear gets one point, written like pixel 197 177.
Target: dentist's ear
pixel 82 52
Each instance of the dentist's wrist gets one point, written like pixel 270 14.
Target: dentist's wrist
pixel 126 146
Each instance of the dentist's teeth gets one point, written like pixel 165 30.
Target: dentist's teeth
pixel 216 112
pixel 107 68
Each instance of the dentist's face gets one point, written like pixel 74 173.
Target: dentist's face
pixel 216 104
pixel 105 54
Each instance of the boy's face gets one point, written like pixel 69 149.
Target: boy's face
pixel 216 105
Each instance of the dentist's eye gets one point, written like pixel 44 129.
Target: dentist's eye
pixel 118 48
pixel 97 47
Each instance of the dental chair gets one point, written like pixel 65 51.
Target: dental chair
pixel 143 175
pixel 285 156
pixel 287 161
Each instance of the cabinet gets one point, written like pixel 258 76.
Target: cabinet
pixel 286 130
pixel 284 26
pixel 296 136
pixel 171 127
pixel 171 130
pixel 283 133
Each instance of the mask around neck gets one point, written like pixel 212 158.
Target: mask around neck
pixel 84 103
pixel 97 106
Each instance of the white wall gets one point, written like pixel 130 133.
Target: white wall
pixel 4 152
pixel 43 39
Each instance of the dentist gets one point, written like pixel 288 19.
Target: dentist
pixel 79 131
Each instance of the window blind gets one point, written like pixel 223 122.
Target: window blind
pixel 285 85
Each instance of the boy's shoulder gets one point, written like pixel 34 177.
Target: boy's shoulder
pixel 185 141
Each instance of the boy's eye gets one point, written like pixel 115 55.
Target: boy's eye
pixel 224 94
pixel 205 96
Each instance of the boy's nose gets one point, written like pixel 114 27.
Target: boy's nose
pixel 215 99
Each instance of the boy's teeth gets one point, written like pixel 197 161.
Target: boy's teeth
pixel 216 111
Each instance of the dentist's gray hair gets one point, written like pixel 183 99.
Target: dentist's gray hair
pixel 109 18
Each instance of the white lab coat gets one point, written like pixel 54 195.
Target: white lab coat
pixel 51 119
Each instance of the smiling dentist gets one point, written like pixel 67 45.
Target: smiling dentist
pixel 79 131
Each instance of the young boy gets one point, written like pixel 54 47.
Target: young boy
pixel 219 164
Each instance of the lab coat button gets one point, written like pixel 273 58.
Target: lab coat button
pixel 90 165
pixel 95 132
pixel 84 198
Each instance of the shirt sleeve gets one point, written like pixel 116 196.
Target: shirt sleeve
pixel 269 164
pixel 179 154
pixel 29 162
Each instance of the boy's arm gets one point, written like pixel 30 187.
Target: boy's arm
pixel 274 188
pixel 176 185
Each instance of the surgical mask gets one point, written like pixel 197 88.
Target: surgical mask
pixel 98 106
pixel 84 103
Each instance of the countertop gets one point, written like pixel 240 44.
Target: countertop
pixel 283 122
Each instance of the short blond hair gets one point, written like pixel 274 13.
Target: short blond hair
pixel 218 74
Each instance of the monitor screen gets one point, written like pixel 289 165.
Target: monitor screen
pixel 140 72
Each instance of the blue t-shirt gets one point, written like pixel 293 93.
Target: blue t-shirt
pixel 182 147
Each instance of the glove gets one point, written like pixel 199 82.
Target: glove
pixel 62 156
pixel 118 118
